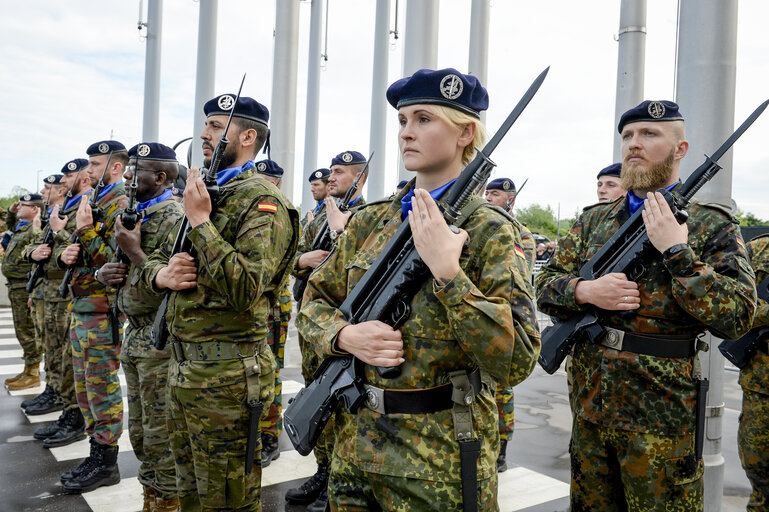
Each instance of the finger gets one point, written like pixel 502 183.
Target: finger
pixel 424 210
pixel 652 205
pixel 430 206
pixel 186 285
pixel 618 275
pixel 192 174
pixel 663 205
pixel 464 235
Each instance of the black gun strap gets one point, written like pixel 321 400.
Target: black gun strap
pixel 469 451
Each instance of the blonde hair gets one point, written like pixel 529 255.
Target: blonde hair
pixel 459 120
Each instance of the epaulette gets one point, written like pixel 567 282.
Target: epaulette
pixel 378 201
pixel 599 203
pixel 720 208
pixel 504 213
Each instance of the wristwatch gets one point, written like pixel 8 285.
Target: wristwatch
pixel 673 250
pixel 334 233
pixel 96 274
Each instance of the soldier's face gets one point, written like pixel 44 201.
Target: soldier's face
pixel 609 188
pixel 146 179
pixel 650 154
pixel 498 197
pixel 95 169
pixel 341 179
pixel 319 190
pixel 212 133
pixel 427 143
pixel 46 192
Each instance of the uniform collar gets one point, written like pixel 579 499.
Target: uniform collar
pixel 226 175
pixel 634 202
pixel 435 194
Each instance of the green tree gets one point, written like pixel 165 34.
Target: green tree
pixel 748 219
pixel 539 219
pixel 16 193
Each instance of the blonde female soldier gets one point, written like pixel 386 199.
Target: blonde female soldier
pixel 472 321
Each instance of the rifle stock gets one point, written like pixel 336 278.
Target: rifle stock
pixel 740 351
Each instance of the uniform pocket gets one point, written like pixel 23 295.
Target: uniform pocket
pixel 226 482
pixel 684 470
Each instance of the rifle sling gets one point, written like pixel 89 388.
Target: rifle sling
pixel 677 347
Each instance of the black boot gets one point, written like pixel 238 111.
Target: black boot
pixel 48 391
pixel 310 490
pixel 270 449
pixel 502 459
pixel 103 470
pixel 44 406
pixel 85 465
pixel 72 430
pixel 49 430
pixel 319 505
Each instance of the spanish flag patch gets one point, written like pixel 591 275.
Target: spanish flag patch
pixel 519 251
pixel 267 207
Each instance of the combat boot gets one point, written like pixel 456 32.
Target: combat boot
pixel 14 378
pixel 311 489
pixel 72 430
pixel 502 459
pixel 42 396
pixel 270 449
pixel 319 505
pixel 50 403
pixel 102 471
pixel 149 499
pixel 171 505
pixel 29 379
pixel 85 465
pixel 49 430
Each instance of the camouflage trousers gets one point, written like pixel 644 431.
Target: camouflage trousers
pixel 325 445
pixel 619 470
pixel 506 411
pixel 753 445
pixel 147 383
pixel 276 340
pixel 96 359
pixel 209 430
pixel 24 326
pixel 352 489
pixel 58 351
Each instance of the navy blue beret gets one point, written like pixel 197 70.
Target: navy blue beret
pixel 319 174
pixel 247 108
pixel 269 167
pixel 505 184
pixel 446 87
pixel 402 184
pixel 31 197
pixel 612 170
pixel 53 179
pixel 78 164
pixel 152 151
pixel 103 147
pixel 348 158
pixel 650 111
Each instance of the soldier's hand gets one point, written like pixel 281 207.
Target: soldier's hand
pixel 29 302
pixel 336 219
pixel 310 217
pixel 113 273
pixel 71 254
pixel 84 215
pixel 56 223
pixel 41 253
pixel 661 225
pixel 373 342
pixel 180 274
pixel 312 259
pixel 14 207
pixel 128 240
pixel 612 292
pixel 437 245
pixel 36 221
pixel 197 201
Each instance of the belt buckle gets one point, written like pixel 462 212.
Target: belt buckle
pixel 613 338
pixel 176 349
pixel 375 399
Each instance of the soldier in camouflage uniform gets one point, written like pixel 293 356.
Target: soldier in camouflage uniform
pixel 15 267
pixel 753 433
pixel 345 168
pixel 145 367
pixel 95 335
pixel 633 437
pixel 609 185
pixel 458 335
pixel 319 188
pixel 221 371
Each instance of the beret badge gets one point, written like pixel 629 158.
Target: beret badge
pixel 347 157
pixel 50 179
pixel 72 166
pixel 103 147
pixel 261 167
pixel 226 102
pixel 144 150
pixel 318 174
pixel 26 197
pixel 656 109
pixel 451 87
pixel 506 185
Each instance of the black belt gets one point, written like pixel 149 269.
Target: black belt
pixel 416 401
pixel 677 347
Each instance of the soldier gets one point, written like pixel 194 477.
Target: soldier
pixel 94 333
pixel 221 373
pixel 458 332
pixel 146 368
pixel 633 436
pixel 319 188
pixel 345 168
pixel 610 184
pixel 15 267
pixel 753 433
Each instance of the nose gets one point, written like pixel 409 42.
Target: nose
pixel 128 175
pixel 405 131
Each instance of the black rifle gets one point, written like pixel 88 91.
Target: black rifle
pixel 384 293
pixel 95 213
pixel 627 251
pixel 509 204
pixel 322 240
pixel 182 242
pixel 740 351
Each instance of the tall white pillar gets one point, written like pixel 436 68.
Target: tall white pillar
pixel 204 73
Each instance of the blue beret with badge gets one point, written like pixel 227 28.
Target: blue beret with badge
pixel 505 184
pixel 247 108
pixel 270 168
pixel 30 197
pixel 53 179
pixel 348 158
pixel 650 111
pixel 612 170
pixel 152 151
pixel 447 87
pixel 319 174
pixel 103 147
pixel 78 164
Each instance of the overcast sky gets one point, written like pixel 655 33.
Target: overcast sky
pixel 73 73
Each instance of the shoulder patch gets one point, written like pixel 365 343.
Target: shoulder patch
pixel 519 252
pixel 267 207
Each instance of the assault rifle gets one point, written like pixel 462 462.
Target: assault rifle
pixel 740 351
pixel 509 204
pixel 384 293
pixel 627 251
pixel 95 213
pixel 182 242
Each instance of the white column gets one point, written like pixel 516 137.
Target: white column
pixel 150 131
pixel 377 186
pixel 204 73
pixel 313 103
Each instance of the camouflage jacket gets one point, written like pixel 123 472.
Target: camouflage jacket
pixel 755 375
pixel 15 264
pixel 53 272
pixel 461 326
pixel 709 286
pixel 135 299
pixel 303 223
pixel 528 245
pixel 96 249
pixel 244 253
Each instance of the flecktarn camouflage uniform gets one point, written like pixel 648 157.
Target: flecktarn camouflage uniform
pixel 411 461
pixel 632 443
pixel 280 316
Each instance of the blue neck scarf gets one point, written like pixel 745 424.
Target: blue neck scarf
pixel 226 175
pixel 106 190
pixel 634 202
pixel 50 211
pixel 75 200
pixel 21 224
pixel 435 194
pixel 155 200
pixel 354 201
pixel 317 207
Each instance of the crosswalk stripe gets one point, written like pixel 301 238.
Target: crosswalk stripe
pixel 291 387
pixel 12 353
pixel 29 391
pixel 11 369
pixel 125 496
pixel 9 342
pixel 81 449
pixel 520 488
pixel 289 466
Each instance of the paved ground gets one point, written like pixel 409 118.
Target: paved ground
pixel 29 474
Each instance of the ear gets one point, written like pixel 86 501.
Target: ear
pixel 160 178
pixel 681 149
pixel 467 135
pixel 117 169
pixel 247 137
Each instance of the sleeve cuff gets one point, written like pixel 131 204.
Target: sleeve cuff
pixel 681 264
pixel 87 233
pixel 453 292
